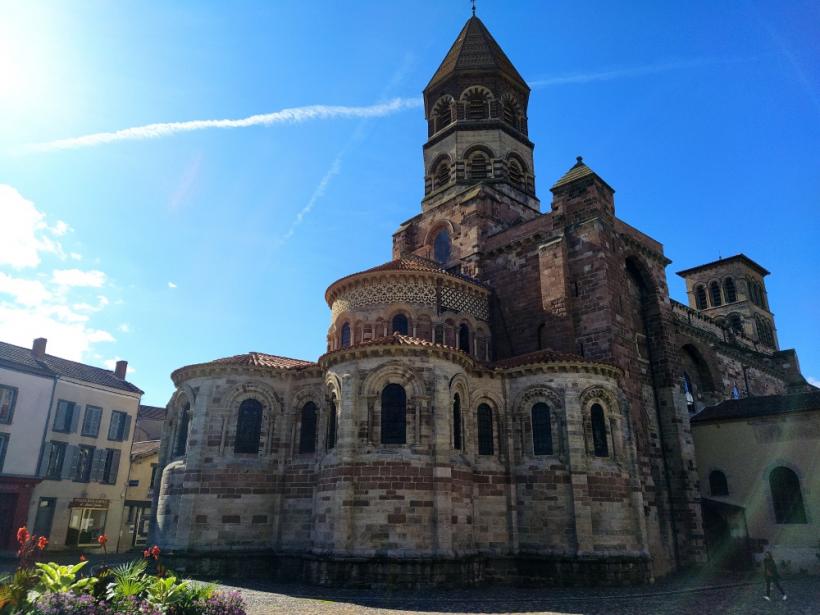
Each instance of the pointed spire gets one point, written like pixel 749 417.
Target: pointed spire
pixel 475 50
pixel 579 170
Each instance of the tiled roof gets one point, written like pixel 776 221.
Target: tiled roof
pixel 474 50
pixel 539 356
pixel 144 448
pixel 578 171
pixel 151 413
pixel 51 365
pixel 260 359
pixel 750 407
pixel 411 263
pixel 722 261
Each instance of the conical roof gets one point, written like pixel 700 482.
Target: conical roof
pixel 578 170
pixel 475 49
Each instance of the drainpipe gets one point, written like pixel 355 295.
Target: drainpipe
pixel 48 422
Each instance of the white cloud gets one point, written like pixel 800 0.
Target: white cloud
pixel 124 328
pixel 25 232
pixel 292 115
pixel 59 306
pixel 75 256
pixel 25 292
pixel 112 363
pixel 171 285
pixel 76 277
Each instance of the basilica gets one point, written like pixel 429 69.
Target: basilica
pixel 507 399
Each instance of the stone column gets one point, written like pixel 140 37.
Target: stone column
pixel 577 461
pixel 441 449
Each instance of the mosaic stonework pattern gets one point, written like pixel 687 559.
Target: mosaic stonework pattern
pixel 458 301
pixel 383 293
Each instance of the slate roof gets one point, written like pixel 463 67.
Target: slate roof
pixel 578 171
pixel 150 421
pixel 19 357
pixel 751 407
pixel 475 50
pixel 151 413
pixel 722 261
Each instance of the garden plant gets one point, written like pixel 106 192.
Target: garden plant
pixel 139 587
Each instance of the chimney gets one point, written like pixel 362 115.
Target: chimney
pixel 120 369
pixel 38 348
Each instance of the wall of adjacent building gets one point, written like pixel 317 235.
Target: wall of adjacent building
pixel 28 420
pixel 66 490
pixel 747 451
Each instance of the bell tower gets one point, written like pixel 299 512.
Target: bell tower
pixel 476 111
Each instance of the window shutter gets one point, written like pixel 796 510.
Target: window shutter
pixel 115 466
pixel 75 417
pixel 126 430
pixel 112 425
pixel 44 461
pixel 98 465
pixel 70 461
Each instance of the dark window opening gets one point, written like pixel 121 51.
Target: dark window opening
pixel 714 294
pixel 248 427
pixel 464 338
pixel 736 323
pixel 479 167
pixel 394 415
pixel 307 429
pixel 786 496
pixel 441 247
pixel 515 173
pixel 599 443
pixel 717 483
pixel 182 432
pixel 541 430
pixel 345 335
pixel 485 430
pixel 400 324
pixel 84 458
pixel 729 290
pixel 457 422
pixel 442 177
pixel 331 426
pixel 700 297
pixel 541 335
pixel 438 334
pixel 477 106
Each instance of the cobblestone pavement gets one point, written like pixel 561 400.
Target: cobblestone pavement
pixel 664 599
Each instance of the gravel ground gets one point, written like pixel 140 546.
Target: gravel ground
pixel 745 598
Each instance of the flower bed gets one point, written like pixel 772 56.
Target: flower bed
pixel 141 587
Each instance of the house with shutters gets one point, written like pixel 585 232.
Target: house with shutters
pixel 70 439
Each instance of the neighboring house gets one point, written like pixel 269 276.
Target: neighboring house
pixel 74 436
pixel 137 515
pixel 760 477
pixel 144 457
pixel 26 389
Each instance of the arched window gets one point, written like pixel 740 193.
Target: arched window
pixel 182 431
pixel 541 430
pixel 464 338
pixel 485 430
pixel 717 483
pixel 478 167
pixel 477 105
pixel 441 247
pixel 515 172
pixel 443 114
pixel 599 443
pixel 764 332
pixel 307 430
pixel 442 174
pixel 786 496
pixel 714 294
pixel 248 427
pixel 700 297
pixel 345 335
pixel 400 324
pixel 729 290
pixel 542 329
pixel 331 426
pixel 735 322
pixel 457 422
pixel 394 414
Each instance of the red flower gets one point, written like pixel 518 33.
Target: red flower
pixel 22 535
pixel 41 544
pixel 82 557
pixel 155 551
pixel 146 554
pixel 102 539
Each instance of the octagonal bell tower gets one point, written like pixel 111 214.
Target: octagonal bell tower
pixel 476 111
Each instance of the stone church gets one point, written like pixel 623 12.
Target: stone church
pixel 507 399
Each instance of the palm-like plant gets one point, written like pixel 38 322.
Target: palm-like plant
pixel 129 580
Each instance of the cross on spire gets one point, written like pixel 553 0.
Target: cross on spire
pixel 473 3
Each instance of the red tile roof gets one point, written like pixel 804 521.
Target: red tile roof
pixel 260 359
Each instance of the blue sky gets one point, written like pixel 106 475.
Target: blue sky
pixel 188 246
